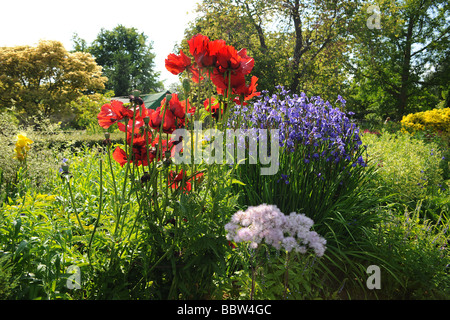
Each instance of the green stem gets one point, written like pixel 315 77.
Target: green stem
pixel 99 210
pixel 112 174
pixel 286 276
pixel 74 208
pixel 122 200
pixel 162 258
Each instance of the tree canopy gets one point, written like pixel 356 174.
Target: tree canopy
pixel 45 78
pixel 387 57
pixel 298 44
pixel 127 60
pixel 402 66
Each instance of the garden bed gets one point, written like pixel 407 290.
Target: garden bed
pixel 345 215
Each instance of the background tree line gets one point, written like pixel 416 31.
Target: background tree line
pixel 332 47
pixel 47 81
pixel 320 47
pixel 126 57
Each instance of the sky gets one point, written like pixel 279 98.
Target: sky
pixel 25 22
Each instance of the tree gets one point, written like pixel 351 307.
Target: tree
pixel 393 65
pixel 318 26
pixel 227 20
pixel 44 79
pixel 298 44
pixel 126 58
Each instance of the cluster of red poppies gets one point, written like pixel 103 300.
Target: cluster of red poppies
pixel 222 63
pixel 170 115
pixel 226 67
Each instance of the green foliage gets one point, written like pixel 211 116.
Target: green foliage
pixel 269 274
pixel 35 236
pixel 42 80
pixel 417 249
pixel 400 67
pixel 406 167
pixel 7 283
pixel 41 238
pixel 127 60
pixel 17 177
pixel 86 109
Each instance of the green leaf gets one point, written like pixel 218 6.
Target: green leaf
pixel 235 181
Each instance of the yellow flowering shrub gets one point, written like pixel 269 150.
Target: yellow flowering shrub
pixel 436 120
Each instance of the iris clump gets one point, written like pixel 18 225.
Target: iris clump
pixel 326 131
pixel 321 154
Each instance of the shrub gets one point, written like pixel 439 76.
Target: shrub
pixel 15 174
pixel 416 250
pixel 86 109
pixel 436 120
pixel 406 167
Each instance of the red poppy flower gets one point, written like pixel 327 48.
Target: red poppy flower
pixel 198 45
pixel 139 156
pixel 175 180
pixel 139 123
pixel 175 106
pixel 213 103
pixel 181 123
pixel 249 91
pixel 247 63
pixel 176 64
pixel 140 138
pixel 215 46
pixel 111 113
pixel 237 84
pixel 157 118
pixel 120 156
pixel 229 59
pixel 204 51
pixel 142 111
pixel 220 80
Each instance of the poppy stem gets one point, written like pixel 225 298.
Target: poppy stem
pixel 229 95
pixel 112 174
pixel 99 210
pixel 74 207
pixel 122 200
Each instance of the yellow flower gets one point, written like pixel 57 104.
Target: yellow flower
pixel 435 119
pixel 23 141
pixel 22 146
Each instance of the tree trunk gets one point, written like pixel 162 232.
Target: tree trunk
pixel 259 29
pixel 406 68
pixel 298 46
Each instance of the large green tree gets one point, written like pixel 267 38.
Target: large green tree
pixel 44 79
pixel 400 62
pixel 127 60
pixel 298 44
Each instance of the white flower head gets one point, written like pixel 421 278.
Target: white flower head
pixel 267 223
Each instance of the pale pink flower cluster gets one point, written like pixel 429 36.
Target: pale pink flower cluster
pixel 267 223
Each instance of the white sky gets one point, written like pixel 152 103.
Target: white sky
pixel 25 22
